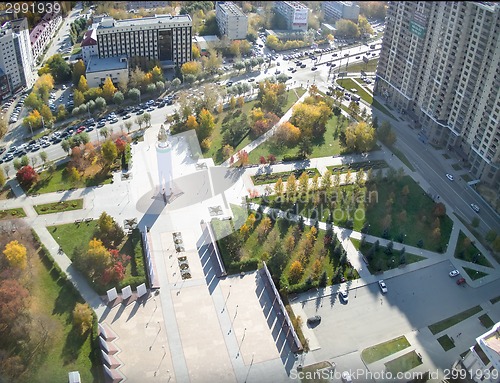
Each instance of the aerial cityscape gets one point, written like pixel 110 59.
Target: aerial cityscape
pixel 236 191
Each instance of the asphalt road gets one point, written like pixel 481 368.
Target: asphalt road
pixel 413 301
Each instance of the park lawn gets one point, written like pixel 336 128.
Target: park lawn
pixel 371 66
pixel 58 207
pixel 17 212
pixel 270 178
pixel 470 253
pixel 495 300
pixel 76 49
pixel 446 342
pixel 381 261
pixel 419 218
pixel 474 274
pixel 58 180
pixel 453 320
pixel 71 235
pixel 403 363
pixel 329 145
pixel 486 321
pixel 52 303
pixel 215 150
pixel 382 350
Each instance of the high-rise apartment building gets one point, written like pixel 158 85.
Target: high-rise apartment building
pixel 440 64
pixel 16 59
pixel 294 13
pixel 162 37
pixel 232 22
pixel 337 10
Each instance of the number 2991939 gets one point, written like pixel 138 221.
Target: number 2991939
pixel 33 7
pixel 474 373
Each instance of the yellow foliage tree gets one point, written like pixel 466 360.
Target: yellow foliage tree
pixel 295 273
pixel 191 122
pixel 240 101
pixel 232 102
pixel 157 74
pixel 278 187
pixel 16 254
pixel 97 257
pixel 196 51
pixel 82 84
pixel 82 317
pixel 108 89
pixel 78 98
pixel 191 67
pixel 316 269
pixel 303 183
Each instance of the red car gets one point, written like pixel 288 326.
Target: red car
pixel 460 281
pixel 80 129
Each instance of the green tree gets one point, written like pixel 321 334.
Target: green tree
pixel 33 101
pixel 347 28
pixel 78 98
pixel 78 71
pixel 146 117
pixel 2 178
pixel 108 230
pixel 109 152
pixel 134 94
pixel 118 98
pixel 100 103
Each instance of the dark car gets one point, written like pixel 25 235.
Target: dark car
pixel 461 281
pixel 314 320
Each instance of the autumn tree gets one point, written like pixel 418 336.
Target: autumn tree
pixel 287 134
pixel 109 152
pixel 157 74
pixel 108 231
pixel 78 71
pixel 191 67
pixel 439 210
pixel 95 260
pixel 291 186
pixel 264 228
pixel 303 183
pixel 359 137
pixel 15 253
pixel 78 98
pixel 206 125
pixel 82 317
pixel 108 89
pixel 295 273
pixel 191 122
pixel 82 84
pixel 26 176
pixel 2 178
pixel 311 117
pixel 279 187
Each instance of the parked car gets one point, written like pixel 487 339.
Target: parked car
pixel 343 296
pixel 314 320
pixel 454 273
pixel 449 176
pixel 474 207
pixel 461 281
pixel 382 286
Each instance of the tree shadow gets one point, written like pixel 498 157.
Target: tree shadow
pixel 73 345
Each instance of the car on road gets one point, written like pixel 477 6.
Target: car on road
pixel 449 176
pixel 314 320
pixel 8 157
pixel 114 121
pixel 461 281
pixel 45 144
pixel 382 286
pixel 127 116
pixel 101 124
pixel 314 68
pixel 343 296
pixel 474 207
pixel 454 273
pixel 346 377
pixel 251 80
pixel 140 111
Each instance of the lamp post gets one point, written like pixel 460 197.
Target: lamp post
pixel 225 302
pixel 242 339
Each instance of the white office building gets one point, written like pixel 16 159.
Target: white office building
pixel 97 69
pixel 163 37
pixel 295 14
pixel 232 22
pixel 16 59
pixel 337 10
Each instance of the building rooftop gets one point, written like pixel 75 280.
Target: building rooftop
pixel 89 38
pixel 40 27
pixel 109 22
pixel 295 4
pixel 230 8
pixel 109 63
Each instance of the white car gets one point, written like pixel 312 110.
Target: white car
pixel 382 286
pixel 343 296
pixel 454 273
pixel 474 207
pixel 449 176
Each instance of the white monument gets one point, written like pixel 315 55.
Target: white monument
pixel 164 160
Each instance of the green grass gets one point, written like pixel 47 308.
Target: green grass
pixel 269 178
pixel 329 145
pixel 469 252
pixel 76 49
pixel 17 212
pixel 52 304
pixel 311 370
pixel 446 342
pixel 404 363
pixel 486 321
pixel 495 300
pixel 70 236
pixel 356 166
pixel 215 150
pixel 402 157
pixel 365 96
pixel 382 350
pixel 456 167
pixel 371 66
pixel 382 261
pixel 474 274
pixel 58 207
pixel 453 320
pixel 58 180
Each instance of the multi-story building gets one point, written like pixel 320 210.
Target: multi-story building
pixel 336 10
pixel 89 45
pixel 482 362
pixel 43 32
pixel 294 13
pixel 232 22
pixel 146 4
pixel 98 69
pixel 162 37
pixel 440 64
pixel 16 60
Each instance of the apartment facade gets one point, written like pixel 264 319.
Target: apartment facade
pixel 162 37
pixel 232 22
pixel 336 10
pixel 16 59
pixel 439 64
pixel 294 13
pixel 89 45
pixel 43 32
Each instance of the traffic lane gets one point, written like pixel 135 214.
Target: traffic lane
pixel 414 300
